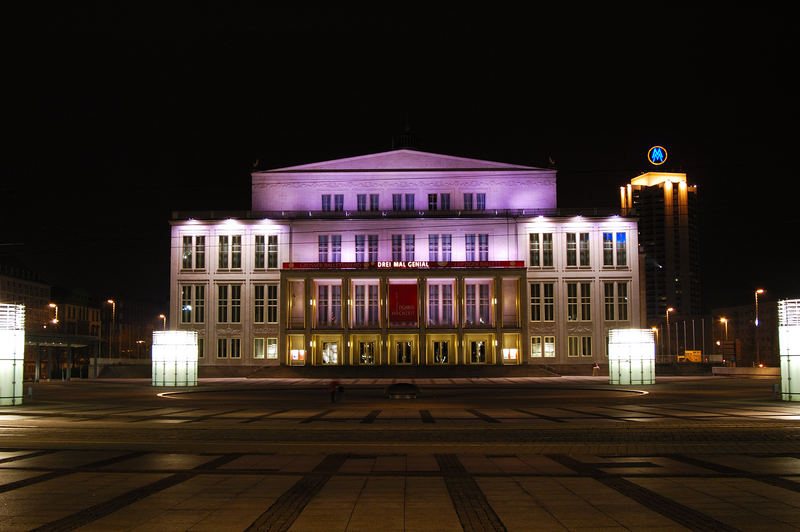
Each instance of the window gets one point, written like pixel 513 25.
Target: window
pixel 440 303
pixel 469 247
pixel 272 348
pixel 361 202
pixel 409 202
pixel 201 348
pixel 467 202
pixel 615 301
pixel 374 204
pixel 542 302
pixel 194 253
pixel 615 252
pixel 236 348
pixel 222 348
pixel 481 201
pixel 258 303
pixel 365 309
pixel 329 305
pixel 579 346
pixel 397 247
pixel 433 247
pixel 272 303
pixel 397 202
pixel 445 202
pixel 432 202
pixel 260 252
pixel 586 301
pixel 372 249
pixel 229 303
pixel 360 244
pixel 230 252
pixel 549 346
pixel 193 311
pixel 322 241
pixel 338 202
pixel 336 248
pixel 579 297
pixel 573 256
pixel 536 346
pixel 541 250
pixel 272 251
pixel 326 202
pixel 483 247
pixel 447 247
pixel 409 247
pixel 476 298
pixel 268 346
pixel 266 251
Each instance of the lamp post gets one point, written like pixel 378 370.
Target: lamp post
pixel 164 321
pixel 113 325
pixel 53 306
pixel 758 352
pixel 669 347
pixel 655 333
pixel 724 321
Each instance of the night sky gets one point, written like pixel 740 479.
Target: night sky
pixel 119 115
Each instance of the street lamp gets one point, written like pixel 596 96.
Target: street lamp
pixel 669 347
pixel 54 321
pixel 725 322
pixel 758 353
pixel 113 325
pixel 655 333
pixel 164 319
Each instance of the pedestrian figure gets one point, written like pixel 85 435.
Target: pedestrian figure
pixel 595 369
pixel 334 387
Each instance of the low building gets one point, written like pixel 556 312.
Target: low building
pixel 404 258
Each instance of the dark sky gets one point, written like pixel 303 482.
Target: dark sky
pixel 119 115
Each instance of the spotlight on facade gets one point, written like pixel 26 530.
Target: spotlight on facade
pixel 12 353
pixel 789 338
pixel 631 356
pixel 174 358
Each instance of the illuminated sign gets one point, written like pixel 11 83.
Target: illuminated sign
pixel 403 265
pixel 657 155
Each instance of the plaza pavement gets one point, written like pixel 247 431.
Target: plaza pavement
pixel 571 453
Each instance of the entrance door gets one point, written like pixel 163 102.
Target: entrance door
pixel 330 352
pixel 477 354
pixel 441 351
pixel 403 350
pixel 366 351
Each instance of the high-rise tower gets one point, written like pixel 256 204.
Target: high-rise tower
pixel 666 207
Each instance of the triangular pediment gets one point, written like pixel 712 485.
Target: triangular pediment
pixel 403 160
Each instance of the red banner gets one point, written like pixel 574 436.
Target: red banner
pixel 403 265
pixel 403 304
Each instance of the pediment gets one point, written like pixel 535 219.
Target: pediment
pixel 403 160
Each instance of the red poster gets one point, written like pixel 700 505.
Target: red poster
pixel 403 304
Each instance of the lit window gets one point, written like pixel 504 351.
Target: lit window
pixel 615 252
pixel 477 303
pixel 433 247
pixel 272 348
pixel 440 303
pixel 258 347
pixel 194 253
pixel 541 250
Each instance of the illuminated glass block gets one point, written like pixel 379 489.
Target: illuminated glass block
pixel 174 358
pixel 631 356
pixel 12 353
pixel 789 338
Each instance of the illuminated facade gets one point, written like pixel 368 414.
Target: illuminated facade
pixel 666 208
pixel 403 258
